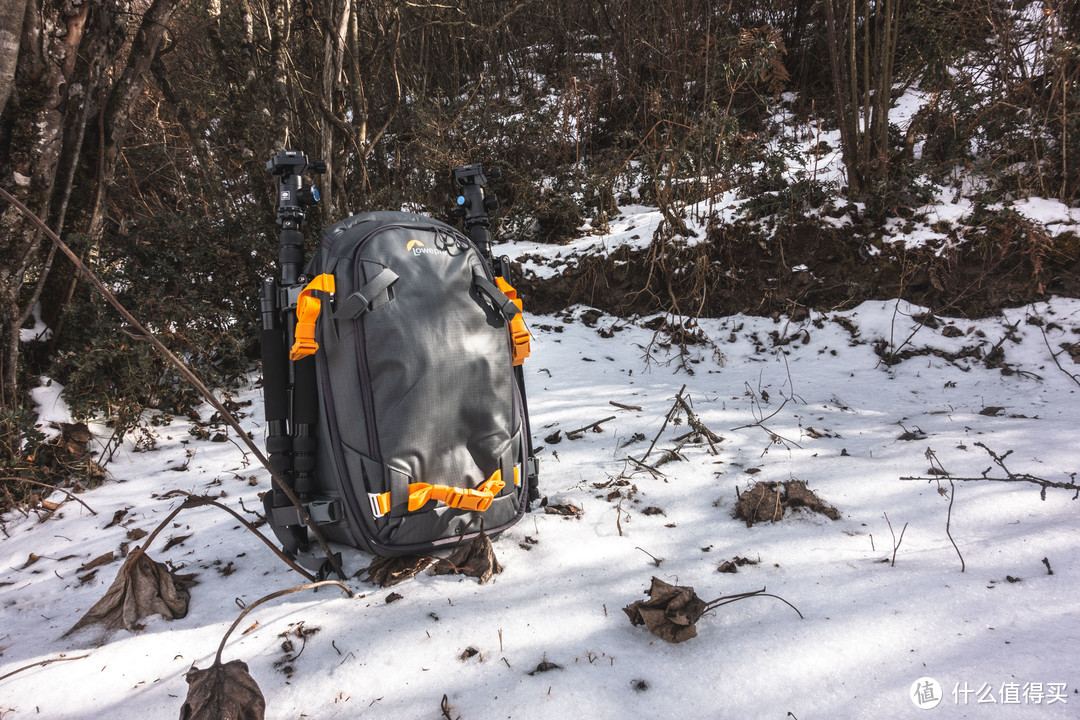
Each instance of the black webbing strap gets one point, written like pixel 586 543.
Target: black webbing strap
pixel 321 512
pixel 366 298
pixel 504 305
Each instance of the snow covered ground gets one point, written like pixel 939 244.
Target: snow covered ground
pixel 805 400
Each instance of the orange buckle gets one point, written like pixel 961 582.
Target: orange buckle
pixel 307 313
pixel 420 494
pixel 521 339
pixel 463 499
pixel 519 334
pixel 304 343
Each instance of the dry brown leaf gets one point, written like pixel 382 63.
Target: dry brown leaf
pixel 476 559
pixel 100 560
pixel 117 517
pixel 223 692
pixel 670 612
pixel 388 571
pixel 142 588
pixel 174 541
pixel 544 667
pixel 566 510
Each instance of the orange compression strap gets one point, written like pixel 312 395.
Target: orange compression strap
pixel 518 332
pixel 307 312
pixel 420 494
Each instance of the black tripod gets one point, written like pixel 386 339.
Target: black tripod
pixel 289 391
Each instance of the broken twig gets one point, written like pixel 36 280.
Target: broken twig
pixel 576 434
pixel 51 487
pixel 43 663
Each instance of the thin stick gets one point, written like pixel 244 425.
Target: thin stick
pixel 896 543
pixel 948 522
pixel 271 596
pixel 574 434
pixel 698 426
pixel 161 526
pixel 635 408
pixel 643 466
pixel 274 548
pixel 667 418
pixel 725 599
pixel 51 487
pixel 42 664
pixel 655 559
pixel 183 369
pixel 1054 357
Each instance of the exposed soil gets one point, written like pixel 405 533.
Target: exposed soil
pixel 766 502
pixel 1004 263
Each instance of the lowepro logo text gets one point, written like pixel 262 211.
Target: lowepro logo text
pixel 417 248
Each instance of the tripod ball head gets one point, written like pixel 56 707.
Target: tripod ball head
pixel 474 204
pixel 293 195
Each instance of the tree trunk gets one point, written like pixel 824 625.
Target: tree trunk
pixel 35 116
pixel 12 13
pixel 861 65
pixel 64 127
pixel 336 30
pixel 843 95
pixel 103 151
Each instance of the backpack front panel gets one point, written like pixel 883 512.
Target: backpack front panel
pixel 420 389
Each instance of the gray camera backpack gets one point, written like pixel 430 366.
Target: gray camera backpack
pixel 407 424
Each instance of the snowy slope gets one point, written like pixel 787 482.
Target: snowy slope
pixel 870 630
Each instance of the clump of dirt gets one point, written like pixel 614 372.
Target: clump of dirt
pixel 767 501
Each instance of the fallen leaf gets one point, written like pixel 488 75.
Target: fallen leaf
pixel 142 588
pixel 389 571
pixel 174 541
pixel 567 510
pixel 545 666
pixel 117 517
pixel 223 692
pixel 98 562
pixel 476 559
pixel 670 612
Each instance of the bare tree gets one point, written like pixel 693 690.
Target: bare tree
pixel 861 36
